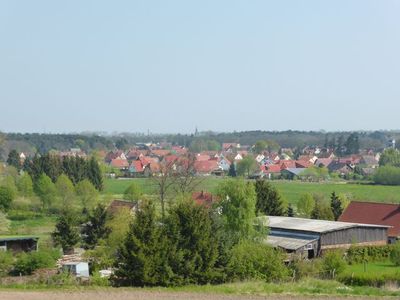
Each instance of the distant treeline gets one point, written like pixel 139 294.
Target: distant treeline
pixel 43 143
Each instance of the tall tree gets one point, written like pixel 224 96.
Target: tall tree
pixel 66 192
pixel 260 146
pixel 352 144
pixel 46 190
pixel 269 200
pixel 94 174
pixel 87 194
pixel 185 180
pixel 66 233
pixel 232 170
pixel 336 206
pixel 165 180
pixel 238 202
pixel 142 257
pixel 305 205
pixel 190 232
pixel 14 160
pixel 25 185
pixel 95 228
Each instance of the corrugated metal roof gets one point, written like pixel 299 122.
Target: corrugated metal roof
pixel 287 242
pixel 311 225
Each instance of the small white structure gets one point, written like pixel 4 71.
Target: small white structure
pixel 79 269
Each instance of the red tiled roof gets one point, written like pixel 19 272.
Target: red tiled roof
pixel 273 169
pixel 303 163
pixel 160 152
pixel 285 164
pixel 119 163
pixel 206 166
pixel 374 213
pixel 137 165
pixel 202 157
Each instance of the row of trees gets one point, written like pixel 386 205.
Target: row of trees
pixel 76 168
pixel 388 172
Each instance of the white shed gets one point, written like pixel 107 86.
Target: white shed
pixel 79 269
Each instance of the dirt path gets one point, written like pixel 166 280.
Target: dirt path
pixel 141 295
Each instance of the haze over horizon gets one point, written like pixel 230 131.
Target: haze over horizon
pixel 172 66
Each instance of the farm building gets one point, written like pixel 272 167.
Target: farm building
pixel 18 244
pixel 375 213
pixel 309 238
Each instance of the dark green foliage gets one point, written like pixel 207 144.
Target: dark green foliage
pixel 14 160
pixel 142 257
pixel 336 206
pixel 66 233
pixel 269 201
pixel 387 175
pixel 76 168
pixel 352 144
pixel 232 170
pixel 7 196
pixel 290 211
pixel 252 260
pixel 27 263
pixel 95 227
pixel 94 174
pixel 193 244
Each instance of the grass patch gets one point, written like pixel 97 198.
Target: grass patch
pixel 385 267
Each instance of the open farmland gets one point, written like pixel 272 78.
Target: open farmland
pixel 291 190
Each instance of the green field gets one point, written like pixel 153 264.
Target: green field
pixel 385 267
pixel 291 190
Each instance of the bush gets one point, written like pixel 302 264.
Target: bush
pixel 359 254
pixel 333 263
pixel 306 268
pixel 27 263
pixel 395 254
pixel 6 262
pixel 387 175
pixel 251 260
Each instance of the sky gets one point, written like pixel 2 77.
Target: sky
pixel 221 65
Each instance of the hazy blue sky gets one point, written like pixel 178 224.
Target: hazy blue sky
pixel 169 66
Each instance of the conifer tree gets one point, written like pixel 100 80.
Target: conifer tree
pixel 66 234
pixel 95 228
pixel 14 160
pixel 269 200
pixel 336 206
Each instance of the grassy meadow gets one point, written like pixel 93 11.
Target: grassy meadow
pixel 291 190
